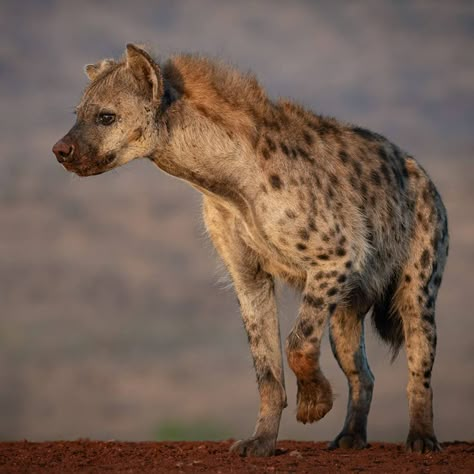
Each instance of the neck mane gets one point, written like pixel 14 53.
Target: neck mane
pixel 222 94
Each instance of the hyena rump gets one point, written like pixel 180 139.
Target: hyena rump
pixel 335 210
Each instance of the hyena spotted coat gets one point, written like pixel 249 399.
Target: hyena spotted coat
pixel 334 210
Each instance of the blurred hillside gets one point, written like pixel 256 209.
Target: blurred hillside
pixel 114 318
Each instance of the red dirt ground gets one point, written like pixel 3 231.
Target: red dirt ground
pixel 293 456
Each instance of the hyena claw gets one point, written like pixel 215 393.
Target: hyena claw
pixel 260 446
pixel 422 444
pixel 349 441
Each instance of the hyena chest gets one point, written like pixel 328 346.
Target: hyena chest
pixel 274 257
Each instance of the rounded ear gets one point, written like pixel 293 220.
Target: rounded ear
pixel 93 70
pixel 145 70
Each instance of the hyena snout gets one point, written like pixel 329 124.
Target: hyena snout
pixel 64 150
pixel 81 158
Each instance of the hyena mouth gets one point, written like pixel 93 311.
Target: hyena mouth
pixel 108 159
pixel 92 168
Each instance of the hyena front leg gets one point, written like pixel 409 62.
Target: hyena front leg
pixel 255 291
pixel 346 334
pixel 321 295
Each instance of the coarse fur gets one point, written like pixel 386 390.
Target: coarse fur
pixel 335 210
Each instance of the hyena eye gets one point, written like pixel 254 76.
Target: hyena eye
pixel 106 118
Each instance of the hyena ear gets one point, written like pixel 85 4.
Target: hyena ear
pixel 93 70
pixel 145 70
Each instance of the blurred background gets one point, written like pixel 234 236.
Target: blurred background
pixel 115 323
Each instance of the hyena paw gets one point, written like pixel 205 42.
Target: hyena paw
pixel 314 400
pixel 349 441
pixel 255 446
pixel 422 443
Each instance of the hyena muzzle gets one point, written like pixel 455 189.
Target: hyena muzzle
pixel 335 210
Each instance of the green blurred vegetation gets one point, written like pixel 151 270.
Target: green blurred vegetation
pixel 195 430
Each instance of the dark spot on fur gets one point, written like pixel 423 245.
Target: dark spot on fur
pixel 425 258
pixel 275 181
pixel 303 233
pixel 272 125
pixel 312 224
pixel 306 328
pixel 325 238
pixel 332 308
pixel 427 374
pixel 266 153
pixel 375 178
pixel 344 157
pixel 313 301
pixel 408 278
pixel 270 143
pixel 319 275
pixel 304 154
pixel 323 285
pixel 342 278
pixel 426 385
pixel 301 246
pixel 284 148
pixel 386 173
pixel 308 138
pixel 340 252
pixel 332 291
pixel 323 256
pixel 348 264
pixel 321 126
pixel 357 168
pixel 428 317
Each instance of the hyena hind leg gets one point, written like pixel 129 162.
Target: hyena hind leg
pixel 415 302
pixel 346 334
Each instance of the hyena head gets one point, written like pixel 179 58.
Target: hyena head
pixel 116 117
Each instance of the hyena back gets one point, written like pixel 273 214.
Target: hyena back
pixel 334 210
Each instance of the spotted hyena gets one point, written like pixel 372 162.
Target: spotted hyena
pixel 335 210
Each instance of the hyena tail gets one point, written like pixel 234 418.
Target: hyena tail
pixel 387 321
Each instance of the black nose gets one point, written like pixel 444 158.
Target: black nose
pixel 63 151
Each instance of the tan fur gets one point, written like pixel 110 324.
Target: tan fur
pixel 336 211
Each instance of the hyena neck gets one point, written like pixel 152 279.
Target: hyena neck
pixel 210 120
